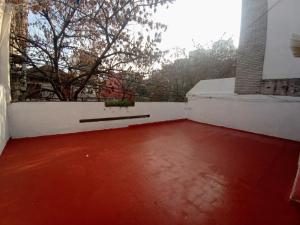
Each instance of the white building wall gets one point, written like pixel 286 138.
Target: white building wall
pixel 283 21
pixel 4 130
pixel 5 18
pixel 30 119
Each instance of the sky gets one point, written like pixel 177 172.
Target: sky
pixel 200 22
pixel 194 22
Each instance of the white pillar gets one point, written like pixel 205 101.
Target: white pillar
pixel 5 21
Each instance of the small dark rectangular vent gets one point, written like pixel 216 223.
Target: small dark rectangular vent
pixel 113 118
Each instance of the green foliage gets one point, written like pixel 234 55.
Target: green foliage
pixel 175 79
pixel 119 103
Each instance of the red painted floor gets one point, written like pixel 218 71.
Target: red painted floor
pixel 174 173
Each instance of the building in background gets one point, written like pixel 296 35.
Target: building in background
pixel 115 88
pixel 38 88
pixel 19 27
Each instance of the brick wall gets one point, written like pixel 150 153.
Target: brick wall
pixel 252 47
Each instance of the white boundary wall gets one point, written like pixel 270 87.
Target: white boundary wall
pixel 31 119
pixel 257 114
pixel 4 130
pixel 270 115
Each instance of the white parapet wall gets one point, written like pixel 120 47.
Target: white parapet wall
pixel 29 119
pixel 4 131
pixel 269 115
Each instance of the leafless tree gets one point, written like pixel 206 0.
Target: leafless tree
pixel 83 40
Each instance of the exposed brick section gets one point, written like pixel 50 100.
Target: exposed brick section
pixel 252 47
pixel 289 87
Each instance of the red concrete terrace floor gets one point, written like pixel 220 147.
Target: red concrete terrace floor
pixel 172 173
